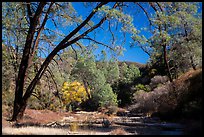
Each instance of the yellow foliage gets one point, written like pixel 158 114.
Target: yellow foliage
pixel 74 92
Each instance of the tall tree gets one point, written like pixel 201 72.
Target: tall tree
pixel 38 33
pixel 171 25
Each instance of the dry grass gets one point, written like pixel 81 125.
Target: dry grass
pixel 118 131
pixel 74 126
pixel 181 79
pixel 33 131
pixel 47 131
pixel 41 116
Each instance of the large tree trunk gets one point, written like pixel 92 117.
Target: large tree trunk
pixel 19 104
pixel 19 109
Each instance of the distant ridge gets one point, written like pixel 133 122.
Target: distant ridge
pixel 139 65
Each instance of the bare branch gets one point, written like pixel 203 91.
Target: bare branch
pixel 56 62
pixel 22 73
pixel 78 45
pixel 99 43
pixel 75 52
pixel 124 35
pixel 63 45
pixel 109 28
pixel 59 57
pixel 48 80
pixel 146 13
pixel 50 42
pixel 159 6
pixel 36 96
pixel 62 35
pixel 41 49
pixel 54 23
pixel 153 6
pixel 52 76
pixel 143 48
pixel 58 67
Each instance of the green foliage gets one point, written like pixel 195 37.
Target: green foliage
pixel 14 24
pixel 84 69
pixel 124 87
pixel 46 95
pixel 110 70
pixel 125 19
pixel 128 73
pixel 178 26
pixel 105 96
pixel 142 87
pixel 186 50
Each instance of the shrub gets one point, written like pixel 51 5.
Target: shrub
pixel 129 73
pixel 181 98
pixel 158 80
pixel 143 102
pixel 142 87
pixel 152 101
pixel 105 97
pixel 73 93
